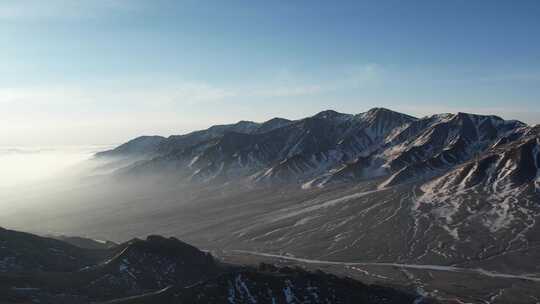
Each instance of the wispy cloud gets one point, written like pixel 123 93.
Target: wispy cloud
pixel 21 10
pixel 285 91
pixel 182 92
pixel 354 76
pixel 118 110
pixel 41 95
pixel 511 77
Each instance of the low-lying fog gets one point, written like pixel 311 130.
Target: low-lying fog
pixel 68 191
pixel 80 195
pixel 56 189
pixel 24 165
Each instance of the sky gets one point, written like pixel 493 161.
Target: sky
pixel 104 71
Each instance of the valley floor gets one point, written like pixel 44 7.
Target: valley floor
pixel 358 230
pixel 446 283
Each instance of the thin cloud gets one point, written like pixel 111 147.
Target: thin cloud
pixel 22 10
pixel 525 76
pixel 183 92
pixel 41 95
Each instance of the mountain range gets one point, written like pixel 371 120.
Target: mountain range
pixel 326 148
pixel 380 196
pixel 381 186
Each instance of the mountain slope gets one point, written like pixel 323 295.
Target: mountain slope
pixel 446 141
pixel 140 146
pixel 496 194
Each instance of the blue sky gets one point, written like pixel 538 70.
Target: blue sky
pixel 103 71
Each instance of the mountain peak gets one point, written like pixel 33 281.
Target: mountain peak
pixel 384 113
pixel 157 242
pixel 379 109
pixel 272 124
pixel 463 115
pixel 245 122
pixel 329 114
pixel 277 119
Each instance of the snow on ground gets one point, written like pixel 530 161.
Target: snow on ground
pixel 324 204
pixel 411 266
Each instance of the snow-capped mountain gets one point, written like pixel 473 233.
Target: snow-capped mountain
pixel 326 148
pixel 274 150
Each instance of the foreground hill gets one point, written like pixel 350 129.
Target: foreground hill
pixel 268 284
pixel 163 270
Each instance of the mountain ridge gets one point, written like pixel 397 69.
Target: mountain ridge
pixel 319 149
